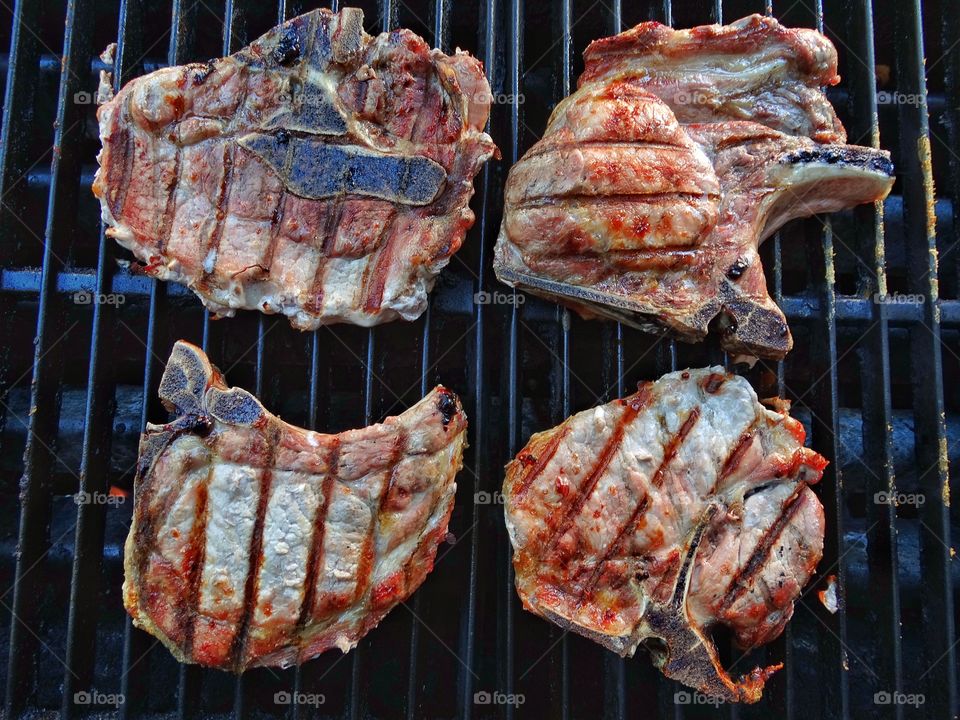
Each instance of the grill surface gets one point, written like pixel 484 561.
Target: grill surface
pixel 875 383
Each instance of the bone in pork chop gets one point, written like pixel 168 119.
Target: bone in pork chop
pixel 679 153
pixel 255 542
pixel 652 519
pixel 320 172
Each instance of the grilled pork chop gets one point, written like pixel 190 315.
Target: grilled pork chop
pixel 651 519
pixel 255 542
pixel 320 172
pixel 679 153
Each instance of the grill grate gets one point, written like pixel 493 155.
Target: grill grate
pixel 873 381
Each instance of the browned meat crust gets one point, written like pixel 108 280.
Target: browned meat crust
pixel 652 519
pixel 255 542
pixel 655 182
pixel 320 172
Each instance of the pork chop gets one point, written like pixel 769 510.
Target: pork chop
pixel 319 172
pixel 655 518
pixel 255 542
pixel 680 152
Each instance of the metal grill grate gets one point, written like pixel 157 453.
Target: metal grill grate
pixel 875 383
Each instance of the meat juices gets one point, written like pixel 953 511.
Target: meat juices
pixel 320 172
pixel 652 519
pixel 255 542
pixel 655 182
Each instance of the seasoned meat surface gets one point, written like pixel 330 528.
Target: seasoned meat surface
pixel 654 518
pixel 255 542
pixel 655 182
pixel 319 172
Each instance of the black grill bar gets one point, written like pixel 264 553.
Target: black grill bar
pixel 825 408
pixel 440 11
pixel 190 677
pixel 17 129
pixel 782 687
pixel 235 37
pixel 615 667
pixel 39 457
pixel 666 361
pixel 316 365
pixel 915 166
pixel 91 517
pixel 355 703
pixel 513 54
pixel 135 643
pixel 875 371
pixel 477 378
pixel 182 40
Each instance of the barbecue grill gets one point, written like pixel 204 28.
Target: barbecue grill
pixel 871 295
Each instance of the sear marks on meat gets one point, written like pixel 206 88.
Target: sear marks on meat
pixel 652 519
pixel 679 153
pixel 320 172
pixel 255 542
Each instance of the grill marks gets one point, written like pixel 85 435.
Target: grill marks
pixel 316 541
pixel 735 457
pixel 629 414
pixel 399 448
pixel 713 383
pixel 414 149
pixel 378 269
pixel 381 263
pixel 680 589
pixel 197 551
pixel 223 508
pixel 117 187
pixel 658 553
pixel 673 445
pixel 574 145
pixel 170 207
pixel 633 133
pixel 252 585
pixel 331 215
pixel 368 556
pixel 315 558
pixel 539 464
pixel 670 452
pixel 148 529
pixel 744 576
pixel 223 199
pixel 606 199
pixel 275 221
